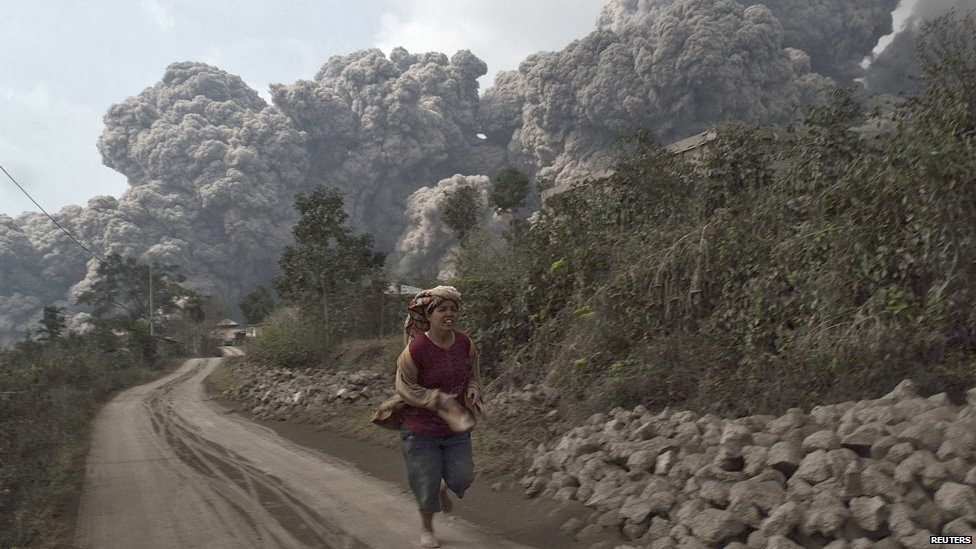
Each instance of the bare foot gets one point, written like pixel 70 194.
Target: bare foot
pixel 427 539
pixel 446 504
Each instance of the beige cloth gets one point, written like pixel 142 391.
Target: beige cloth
pixel 410 392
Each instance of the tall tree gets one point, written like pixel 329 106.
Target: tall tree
pixel 139 299
pixel 257 305
pixel 52 322
pixel 328 259
pixel 462 211
pixel 124 288
pixel 509 188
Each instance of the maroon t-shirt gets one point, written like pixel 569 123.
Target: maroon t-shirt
pixel 444 369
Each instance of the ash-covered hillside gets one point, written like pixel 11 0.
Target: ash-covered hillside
pixel 213 169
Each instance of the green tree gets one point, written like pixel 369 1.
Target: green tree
pixel 257 305
pixel 509 188
pixel 328 261
pixel 137 298
pixel 52 322
pixel 122 289
pixel 462 212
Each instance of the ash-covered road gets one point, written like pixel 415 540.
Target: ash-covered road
pixel 169 470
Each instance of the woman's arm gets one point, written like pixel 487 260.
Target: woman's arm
pixel 409 389
pixel 473 395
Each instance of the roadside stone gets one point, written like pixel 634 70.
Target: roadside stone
pixel 962 526
pixel 635 509
pixel 793 419
pixel 922 435
pixel 900 521
pixel 782 520
pixel 881 447
pixel 634 530
pixel 821 440
pixel 913 466
pixel 713 526
pixel 785 456
pixel 951 448
pixel 644 460
pixel 899 451
pixel 572 527
pixel 754 458
pixel 664 462
pixel 660 528
pixel 589 532
pixel 782 542
pixel 814 468
pixel 765 495
pixel 869 513
pixel 863 437
pixel 714 492
pixel 756 540
pixel 957 499
pixel 838 460
pixel 825 516
pixel 851 481
pixel 610 519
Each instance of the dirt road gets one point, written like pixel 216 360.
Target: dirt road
pixel 169 470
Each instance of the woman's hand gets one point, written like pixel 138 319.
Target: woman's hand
pixel 457 417
pixel 447 402
pixel 472 395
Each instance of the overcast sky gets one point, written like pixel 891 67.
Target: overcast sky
pixel 63 63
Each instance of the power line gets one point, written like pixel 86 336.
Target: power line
pixel 82 246
pixel 55 221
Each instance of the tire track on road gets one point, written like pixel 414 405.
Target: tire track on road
pixel 234 478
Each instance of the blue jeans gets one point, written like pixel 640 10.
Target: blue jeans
pixel 430 459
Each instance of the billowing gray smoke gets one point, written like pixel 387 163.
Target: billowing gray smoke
pixel 428 246
pixel 892 69
pixel 836 34
pixel 214 170
pixel 675 67
pixel 381 127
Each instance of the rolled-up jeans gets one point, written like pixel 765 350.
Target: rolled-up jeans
pixel 430 459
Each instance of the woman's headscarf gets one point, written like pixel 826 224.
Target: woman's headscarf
pixel 418 311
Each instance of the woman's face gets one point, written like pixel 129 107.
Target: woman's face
pixel 444 316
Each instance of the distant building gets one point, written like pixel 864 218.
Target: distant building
pixel 694 146
pixel 402 289
pixel 227 332
pixel 254 330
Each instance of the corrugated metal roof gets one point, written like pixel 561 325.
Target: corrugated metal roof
pixel 692 142
pixel 403 289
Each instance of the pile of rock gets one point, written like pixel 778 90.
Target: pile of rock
pixel 286 394
pixel 878 473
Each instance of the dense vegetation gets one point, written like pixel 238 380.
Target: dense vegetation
pixel 53 381
pixel 774 269
pixel 51 389
pixel 764 270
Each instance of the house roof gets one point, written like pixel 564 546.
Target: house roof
pixel 402 289
pixel 692 142
pixel 227 323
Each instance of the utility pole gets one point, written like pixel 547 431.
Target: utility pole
pixel 150 302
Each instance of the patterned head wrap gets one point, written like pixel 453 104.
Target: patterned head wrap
pixel 418 311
